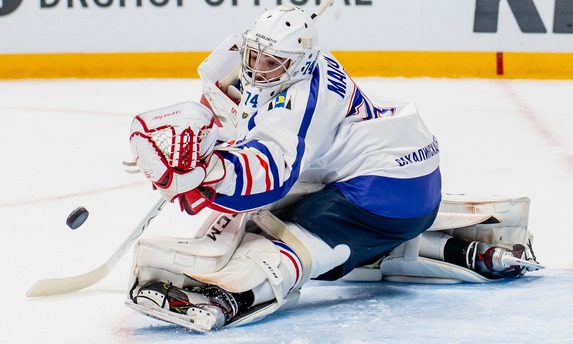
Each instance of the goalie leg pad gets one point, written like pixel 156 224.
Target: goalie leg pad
pixel 432 244
pixel 255 259
pixel 259 265
pixel 167 258
pixel 274 270
pixel 500 221
pixel 317 256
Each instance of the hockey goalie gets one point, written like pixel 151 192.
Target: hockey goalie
pixel 305 178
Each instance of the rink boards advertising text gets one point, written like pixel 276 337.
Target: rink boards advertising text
pixel 169 38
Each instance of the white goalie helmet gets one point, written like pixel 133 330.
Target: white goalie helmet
pixel 280 48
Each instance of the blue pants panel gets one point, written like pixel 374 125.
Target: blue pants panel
pixel 336 220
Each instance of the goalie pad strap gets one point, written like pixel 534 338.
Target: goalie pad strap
pixel 446 221
pixel 273 275
pixel 273 226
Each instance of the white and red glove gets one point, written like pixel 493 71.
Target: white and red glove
pixel 173 148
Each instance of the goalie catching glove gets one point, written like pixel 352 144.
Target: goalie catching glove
pixel 173 148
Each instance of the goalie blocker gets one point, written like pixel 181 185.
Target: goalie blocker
pixel 241 267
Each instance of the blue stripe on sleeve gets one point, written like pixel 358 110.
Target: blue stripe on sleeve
pixel 240 202
pixel 239 182
pixel 251 123
pixel 272 164
pixel 310 103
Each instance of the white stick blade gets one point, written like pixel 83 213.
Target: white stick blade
pixel 57 286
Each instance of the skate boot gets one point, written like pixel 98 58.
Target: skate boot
pixel 208 307
pixel 499 261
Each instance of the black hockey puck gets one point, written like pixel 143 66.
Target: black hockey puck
pixel 77 217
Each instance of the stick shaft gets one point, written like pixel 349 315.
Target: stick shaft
pixel 321 8
pixel 57 286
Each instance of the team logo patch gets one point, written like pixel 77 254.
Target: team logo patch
pixel 283 100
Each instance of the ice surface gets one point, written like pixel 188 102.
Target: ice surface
pixel 62 144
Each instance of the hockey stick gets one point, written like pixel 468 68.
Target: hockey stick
pixel 321 8
pixel 57 286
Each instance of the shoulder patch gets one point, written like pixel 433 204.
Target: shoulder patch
pixel 283 100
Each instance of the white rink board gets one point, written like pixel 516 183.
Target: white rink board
pixel 66 26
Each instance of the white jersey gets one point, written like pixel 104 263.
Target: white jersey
pixel 382 157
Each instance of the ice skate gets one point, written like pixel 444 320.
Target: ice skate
pixel 501 261
pixel 203 308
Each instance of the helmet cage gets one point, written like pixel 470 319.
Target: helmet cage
pixel 286 60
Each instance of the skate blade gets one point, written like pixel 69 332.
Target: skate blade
pixel 529 265
pixel 167 316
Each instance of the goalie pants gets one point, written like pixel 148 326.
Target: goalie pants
pixel 336 220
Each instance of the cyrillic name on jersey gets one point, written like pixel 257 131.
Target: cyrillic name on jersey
pixel 336 77
pixel 420 155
